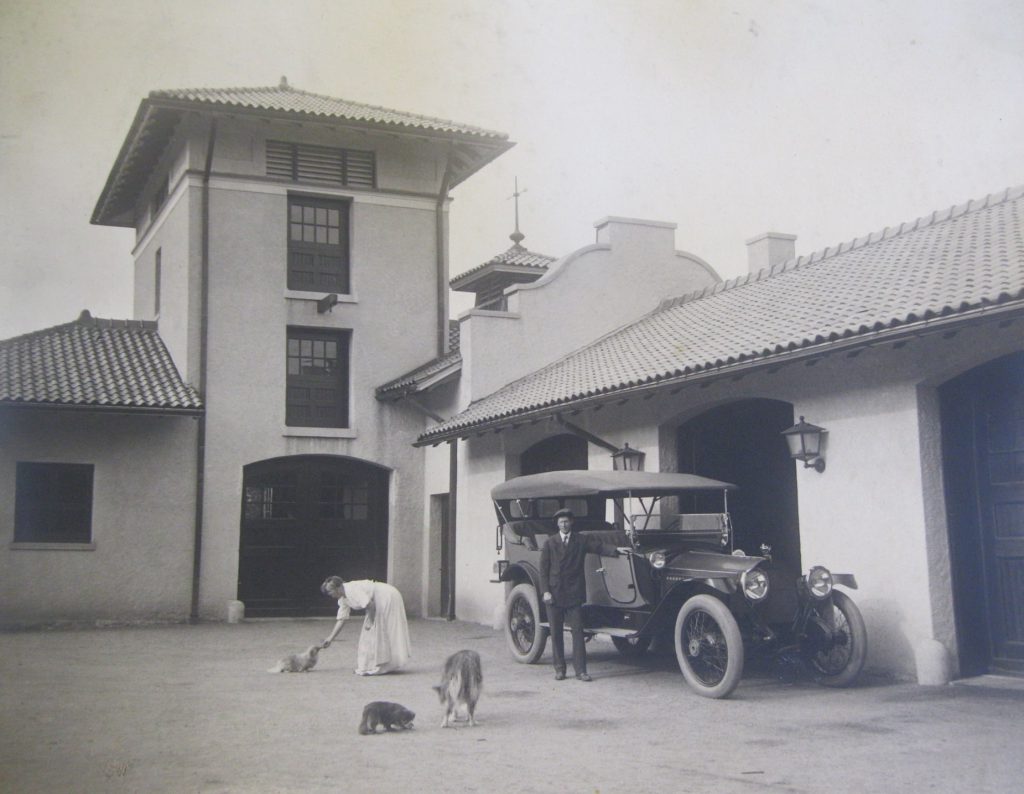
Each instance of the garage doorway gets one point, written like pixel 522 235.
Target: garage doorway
pixel 305 518
pixel 742 443
pixel 563 452
pixel 983 468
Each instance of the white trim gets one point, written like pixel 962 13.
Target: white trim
pixel 254 185
pixel 319 432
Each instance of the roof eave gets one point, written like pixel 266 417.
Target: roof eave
pixel 984 313
pixel 93 408
pixel 482 148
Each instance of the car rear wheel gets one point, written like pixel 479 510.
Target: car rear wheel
pixel 838 645
pixel 631 646
pixel 524 635
pixel 709 647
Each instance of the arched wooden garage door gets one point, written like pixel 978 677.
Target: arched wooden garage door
pixel 303 519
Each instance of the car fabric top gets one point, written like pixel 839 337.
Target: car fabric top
pixel 583 483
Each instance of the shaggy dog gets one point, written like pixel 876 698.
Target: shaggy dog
pixel 297 662
pixel 460 685
pixel 390 715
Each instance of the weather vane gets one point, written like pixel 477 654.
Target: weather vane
pixel 517 236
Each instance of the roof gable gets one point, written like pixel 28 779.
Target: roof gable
pixel 94 363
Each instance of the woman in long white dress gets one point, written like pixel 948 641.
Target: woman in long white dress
pixel 384 640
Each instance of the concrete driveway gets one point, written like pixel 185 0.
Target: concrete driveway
pixel 192 708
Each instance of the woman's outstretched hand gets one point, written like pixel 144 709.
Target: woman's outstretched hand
pixel 325 644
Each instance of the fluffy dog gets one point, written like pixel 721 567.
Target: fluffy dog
pixel 297 662
pixel 461 682
pixel 390 715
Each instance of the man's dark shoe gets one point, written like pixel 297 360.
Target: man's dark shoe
pixel 559 676
pixel 583 677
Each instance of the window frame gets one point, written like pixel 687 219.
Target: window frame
pixel 341 379
pixel 38 516
pixel 323 278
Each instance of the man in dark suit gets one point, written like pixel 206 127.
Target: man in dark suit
pixel 563 581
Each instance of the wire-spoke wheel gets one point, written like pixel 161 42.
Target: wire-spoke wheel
pixel 837 642
pixel 524 635
pixel 709 647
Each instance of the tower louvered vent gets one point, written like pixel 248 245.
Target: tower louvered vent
pixel 301 162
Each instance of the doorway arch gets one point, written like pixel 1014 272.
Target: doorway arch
pixel 742 443
pixel 304 518
pixel 556 453
pixel 982 414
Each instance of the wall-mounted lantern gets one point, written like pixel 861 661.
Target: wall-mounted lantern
pixel 628 459
pixel 804 440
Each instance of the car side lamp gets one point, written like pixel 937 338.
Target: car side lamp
pixel 804 440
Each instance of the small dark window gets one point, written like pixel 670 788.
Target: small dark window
pixel 156 281
pixel 318 245
pixel 317 378
pixel 53 503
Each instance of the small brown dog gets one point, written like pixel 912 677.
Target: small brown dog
pixel 461 682
pixel 297 662
pixel 390 715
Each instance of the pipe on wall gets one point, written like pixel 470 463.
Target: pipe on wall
pixel 204 311
pixel 442 260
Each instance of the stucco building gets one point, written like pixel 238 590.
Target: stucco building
pixel 906 345
pixel 290 256
pixel 291 399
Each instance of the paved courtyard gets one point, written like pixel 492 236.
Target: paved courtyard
pixel 192 709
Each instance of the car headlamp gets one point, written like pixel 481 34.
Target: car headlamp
pixel 754 584
pixel 657 559
pixel 819 582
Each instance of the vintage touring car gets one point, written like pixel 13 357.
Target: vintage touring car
pixel 677 576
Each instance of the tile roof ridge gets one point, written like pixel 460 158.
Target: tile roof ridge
pixel 828 252
pixel 287 88
pixel 84 318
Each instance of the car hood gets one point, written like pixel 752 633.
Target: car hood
pixel 708 564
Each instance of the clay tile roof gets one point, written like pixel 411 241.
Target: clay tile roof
pixel 951 265
pixel 284 98
pixel 429 374
pixel 95 363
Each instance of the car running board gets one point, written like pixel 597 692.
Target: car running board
pixel 612 631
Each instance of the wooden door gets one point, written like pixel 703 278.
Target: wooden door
pixel 305 518
pixel 1000 456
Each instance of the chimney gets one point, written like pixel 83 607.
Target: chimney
pixel 770 249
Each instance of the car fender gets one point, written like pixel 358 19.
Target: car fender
pixel 845 579
pixel 518 572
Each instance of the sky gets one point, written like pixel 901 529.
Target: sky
pixel 821 118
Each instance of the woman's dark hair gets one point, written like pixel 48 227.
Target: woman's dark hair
pixel 331 581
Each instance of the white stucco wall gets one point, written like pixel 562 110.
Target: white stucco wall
pixel 142 518
pixel 583 296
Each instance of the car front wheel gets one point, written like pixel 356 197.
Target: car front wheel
pixel 838 644
pixel 709 647
pixel 524 635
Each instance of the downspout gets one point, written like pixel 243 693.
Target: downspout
pixel 453 494
pixel 442 260
pixel 204 321
pixel 442 349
